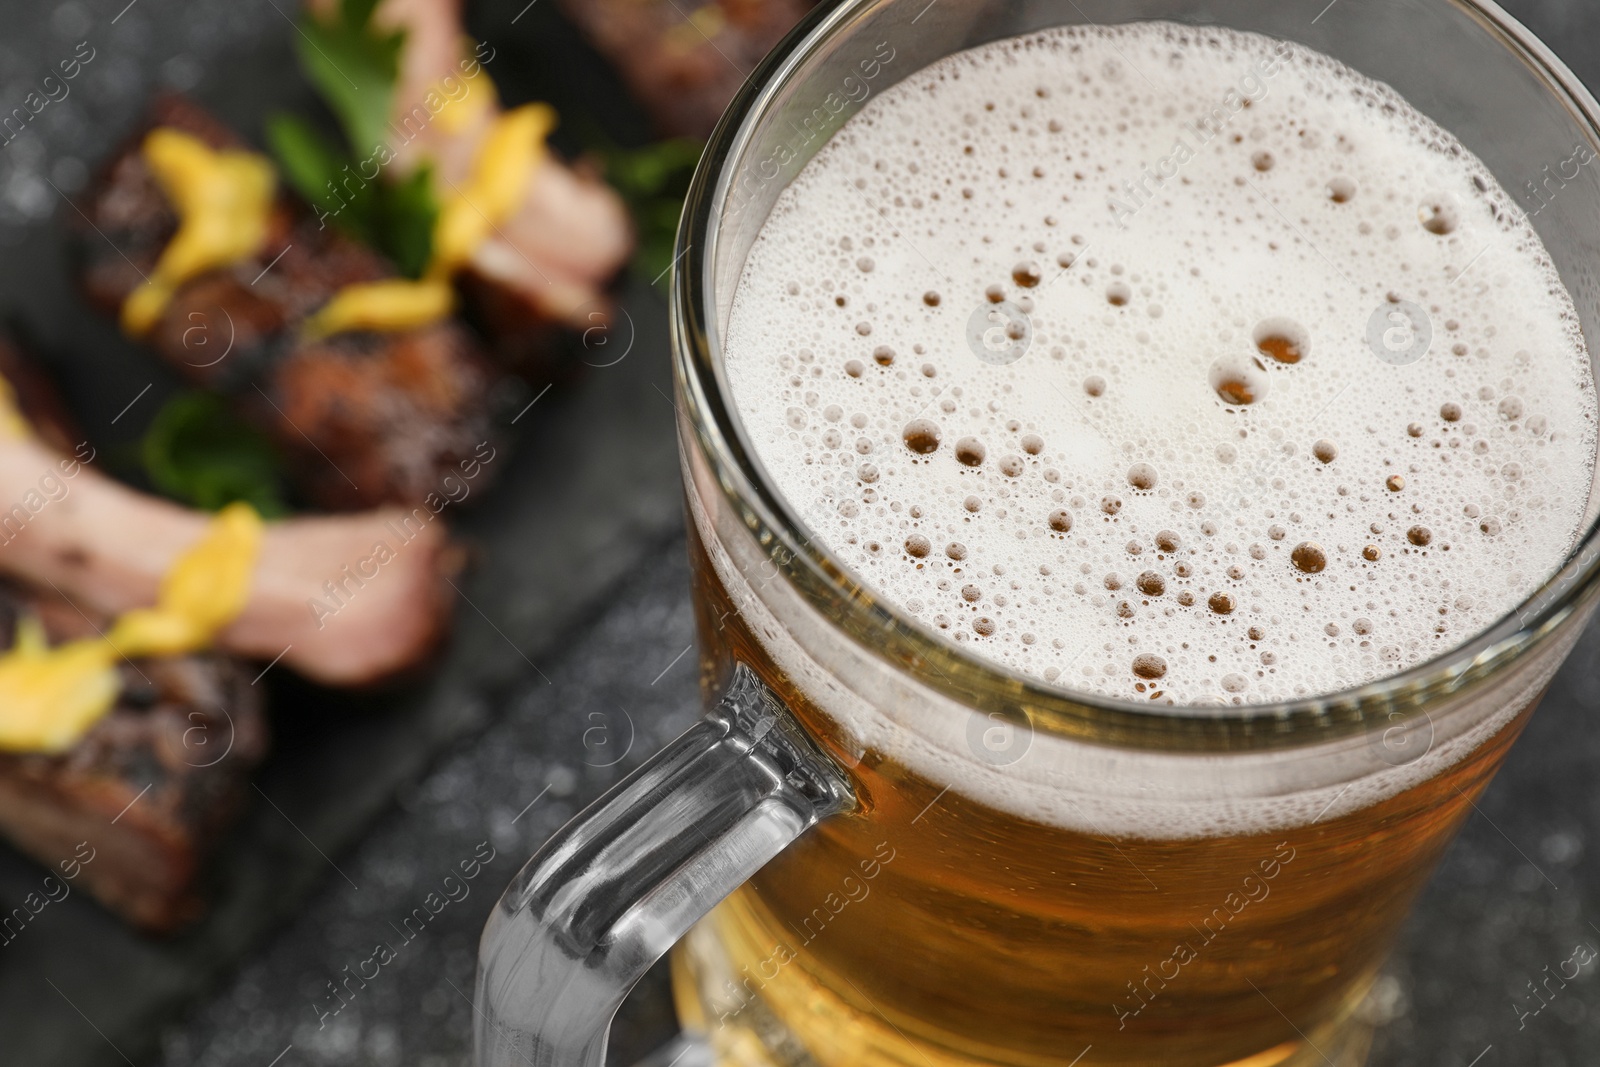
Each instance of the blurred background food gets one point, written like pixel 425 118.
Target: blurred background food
pixel 282 290
pixel 407 247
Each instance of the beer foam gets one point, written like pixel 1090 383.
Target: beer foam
pixel 1217 473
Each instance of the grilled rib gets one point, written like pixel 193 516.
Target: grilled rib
pixel 365 418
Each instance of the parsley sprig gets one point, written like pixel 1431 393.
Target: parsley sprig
pixel 355 66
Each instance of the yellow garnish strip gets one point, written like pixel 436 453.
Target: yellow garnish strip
pixel 50 696
pixel 391 304
pixel 457 114
pixel 698 29
pixel 13 426
pixel 207 587
pixel 506 160
pixel 223 200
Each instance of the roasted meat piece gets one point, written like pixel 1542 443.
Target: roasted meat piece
pixel 367 418
pixel 134 807
pixel 36 399
pixel 684 61
pixel 343 599
pixel 569 234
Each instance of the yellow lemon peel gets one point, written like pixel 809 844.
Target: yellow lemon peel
pixel 50 696
pixel 511 151
pixel 223 199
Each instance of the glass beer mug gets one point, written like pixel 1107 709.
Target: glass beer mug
pixel 876 848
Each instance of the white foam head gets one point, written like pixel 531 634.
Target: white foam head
pixel 1218 472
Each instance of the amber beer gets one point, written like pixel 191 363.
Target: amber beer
pixel 1031 351
pixel 942 930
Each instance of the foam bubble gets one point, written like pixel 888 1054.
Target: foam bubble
pixel 1200 482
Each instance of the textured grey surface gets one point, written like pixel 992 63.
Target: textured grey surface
pixel 611 701
pixel 1517 893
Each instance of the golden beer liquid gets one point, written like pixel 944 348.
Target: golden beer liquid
pixel 932 929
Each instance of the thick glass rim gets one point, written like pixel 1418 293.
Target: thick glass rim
pixel 945 667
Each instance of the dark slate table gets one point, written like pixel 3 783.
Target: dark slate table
pixel 568 668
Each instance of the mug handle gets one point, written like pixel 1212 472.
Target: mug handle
pixel 613 889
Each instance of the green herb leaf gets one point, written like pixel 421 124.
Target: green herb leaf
pixel 407 210
pixel 197 452
pixel 656 169
pixel 357 13
pixel 354 68
pixel 653 181
pixel 313 169
pixel 309 162
pixel 395 218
